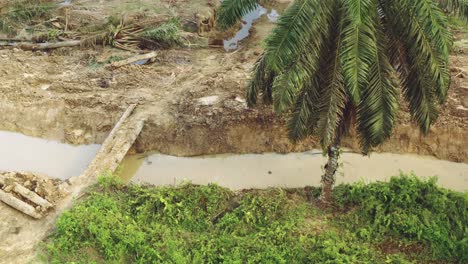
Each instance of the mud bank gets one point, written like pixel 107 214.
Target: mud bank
pixel 241 131
pixel 252 136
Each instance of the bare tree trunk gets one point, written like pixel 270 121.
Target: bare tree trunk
pixel 329 177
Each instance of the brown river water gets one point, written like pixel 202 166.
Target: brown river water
pixel 57 160
pixel 286 170
pixel 237 171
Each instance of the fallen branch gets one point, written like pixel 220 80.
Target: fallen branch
pixel 46 46
pixel 133 59
pixel 14 39
pixel 32 196
pixel 19 205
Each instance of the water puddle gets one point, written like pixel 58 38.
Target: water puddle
pixel 141 62
pixel 248 20
pixel 292 170
pixel 58 160
pixel 65 3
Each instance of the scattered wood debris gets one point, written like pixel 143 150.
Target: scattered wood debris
pixel 133 59
pixel 31 194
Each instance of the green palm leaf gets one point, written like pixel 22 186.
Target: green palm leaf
pixel 262 81
pixel 424 72
pixel 302 26
pixel 379 102
pixel 232 11
pixel 457 7
pixel 333 96
pixel 356 50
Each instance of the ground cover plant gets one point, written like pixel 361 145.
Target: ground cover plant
pixel 404 221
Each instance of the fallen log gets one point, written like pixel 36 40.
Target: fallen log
pixel 133 59
pixel 32 196
pixel 19 205
pixel 46 46
pixel 117 126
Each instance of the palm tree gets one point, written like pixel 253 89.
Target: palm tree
pixel 337 64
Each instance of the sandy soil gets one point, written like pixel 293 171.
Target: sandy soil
pixel 60 95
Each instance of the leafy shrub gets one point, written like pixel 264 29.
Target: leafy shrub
pixel 209 224
pixel 413 209
pixel 198 224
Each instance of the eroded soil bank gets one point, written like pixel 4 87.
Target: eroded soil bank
pixel 58 96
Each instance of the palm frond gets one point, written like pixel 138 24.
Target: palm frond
pixel 333 96
pixel 357 48
pixel 435 25
pixel 294 48
pixel 288 85
pixel 300 30
pixel 305 113
pixel 377 108
pixel 419 92
pixel 262 81
pixel 424 72
pixel 232 11
pixel 456 7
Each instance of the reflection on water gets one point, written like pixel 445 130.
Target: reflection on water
pixel 289 170
pixel 22 153
pixel 248 20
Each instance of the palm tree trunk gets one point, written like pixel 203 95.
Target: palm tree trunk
pixel 329 177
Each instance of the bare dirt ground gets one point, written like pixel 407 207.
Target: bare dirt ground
pixel 62 95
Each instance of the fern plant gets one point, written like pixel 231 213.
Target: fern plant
pixel 334 64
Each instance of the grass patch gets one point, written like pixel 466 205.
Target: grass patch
pixel 94 64
pixel 209 224
pixel 24 12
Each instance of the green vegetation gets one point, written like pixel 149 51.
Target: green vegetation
pixel 166 35
pixel 338 64
pixel 403 221
pixel 24 12
pixel 407 207
pixel 94 64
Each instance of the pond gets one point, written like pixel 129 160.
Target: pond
pixel 57 160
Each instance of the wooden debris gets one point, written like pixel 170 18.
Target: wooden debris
pixel 31 196
pixel 46 46
pixel 133 59
pixel 19 205
pixel 42 46
pixel 15 194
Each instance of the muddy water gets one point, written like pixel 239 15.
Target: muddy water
pixel 22 153
pixel 289 170
pixel 248 19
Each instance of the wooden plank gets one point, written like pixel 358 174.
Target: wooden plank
pixel 114 148
pixel 117 126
